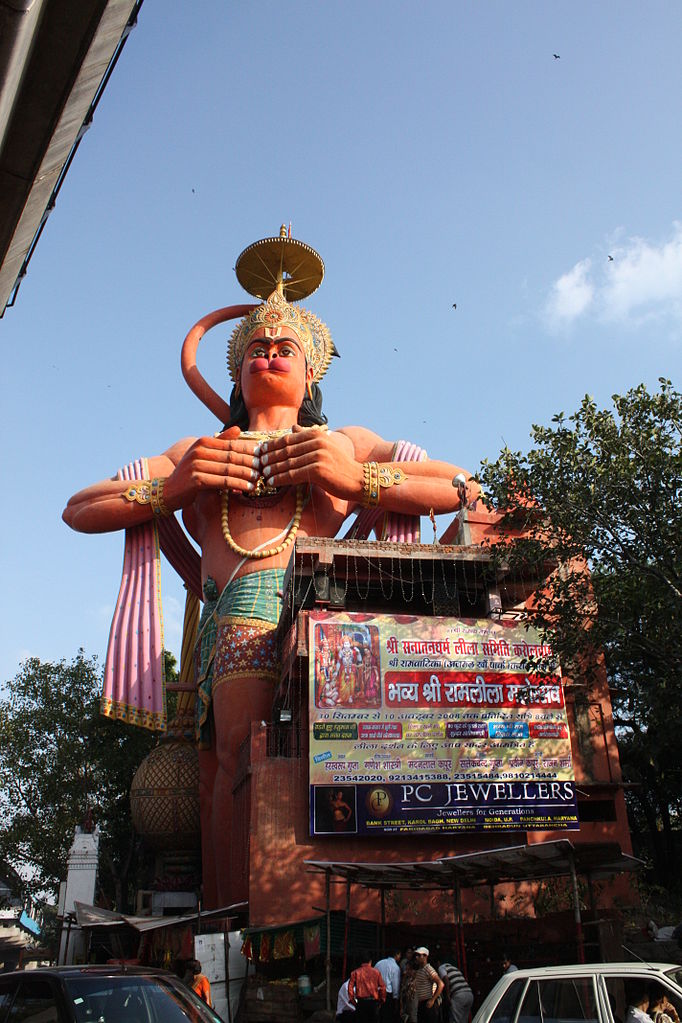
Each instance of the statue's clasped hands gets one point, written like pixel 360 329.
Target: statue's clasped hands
pixel 232 461
pixel 309 455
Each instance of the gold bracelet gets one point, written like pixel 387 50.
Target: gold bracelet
pixel 156 498
pixel 370 484
pixel 149 492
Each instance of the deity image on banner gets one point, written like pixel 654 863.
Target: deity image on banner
pixel 347 671
pixel 335 809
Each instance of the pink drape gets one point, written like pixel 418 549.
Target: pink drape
pixel 134 679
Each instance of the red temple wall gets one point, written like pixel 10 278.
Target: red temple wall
pixel 282 890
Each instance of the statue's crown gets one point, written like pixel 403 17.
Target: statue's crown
pixel 313 335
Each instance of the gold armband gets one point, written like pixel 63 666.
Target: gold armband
pixel 390 475
pixel 376 475
pixel 149 492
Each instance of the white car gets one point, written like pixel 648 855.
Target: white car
pixel 590 993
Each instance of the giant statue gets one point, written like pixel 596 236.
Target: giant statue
pixel 272 473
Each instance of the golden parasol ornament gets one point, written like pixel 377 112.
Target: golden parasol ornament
pixel 281 264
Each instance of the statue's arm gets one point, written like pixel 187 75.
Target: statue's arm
pixel 429 484
pixel 188 467
pixel 102 508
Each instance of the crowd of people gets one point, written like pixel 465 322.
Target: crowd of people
pixel 404 987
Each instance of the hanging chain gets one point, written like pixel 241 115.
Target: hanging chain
pixel 386 596
pixel 357 578
pixel 345 584
pixel 421 581
pixel 448 595
pixel 466 587
pixel 318 595
pixel 402 587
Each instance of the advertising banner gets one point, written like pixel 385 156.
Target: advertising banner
pixel 434 725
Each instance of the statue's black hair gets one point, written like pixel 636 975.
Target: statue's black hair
pixel 309 414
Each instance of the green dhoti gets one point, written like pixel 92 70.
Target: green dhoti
pixel 237 637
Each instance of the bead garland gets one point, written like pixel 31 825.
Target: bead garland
pixel 271 551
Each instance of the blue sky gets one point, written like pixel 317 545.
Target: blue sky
pixel 432 153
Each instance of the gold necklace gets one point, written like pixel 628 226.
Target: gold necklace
pixel 265 434
pixel 271 551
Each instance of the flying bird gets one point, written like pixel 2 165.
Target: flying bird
pixel 557 56
pixel 610 259
pixel 454 305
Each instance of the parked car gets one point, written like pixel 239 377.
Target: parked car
pixel 99 994
pixel 590 993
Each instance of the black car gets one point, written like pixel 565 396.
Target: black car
pixel 99 994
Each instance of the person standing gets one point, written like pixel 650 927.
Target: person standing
pixel 345 1010
pixel 408 992
pixel 366 990
pixel 460 995
pixel 200 983
pixel 406 959
pixel 389 968
pixel 429 987
pixel 507 964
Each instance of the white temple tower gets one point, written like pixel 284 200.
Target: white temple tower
pixel 80 887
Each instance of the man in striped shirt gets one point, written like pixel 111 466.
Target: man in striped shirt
pixel 460 995
pixel 428 987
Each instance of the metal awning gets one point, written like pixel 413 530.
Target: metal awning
pixel 93 916
pixel 56 57
pixel 490 867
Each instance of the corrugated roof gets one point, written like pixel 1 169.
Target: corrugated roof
pixel 94 916
pixel 492 866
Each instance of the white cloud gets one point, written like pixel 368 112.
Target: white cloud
pixel 642 281
pixel 571 295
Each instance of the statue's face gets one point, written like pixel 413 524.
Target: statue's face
pixel 274 369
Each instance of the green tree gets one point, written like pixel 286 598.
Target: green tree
pixel 602 488
pixel 61 763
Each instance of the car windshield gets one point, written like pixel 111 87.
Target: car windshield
pixel 135 999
